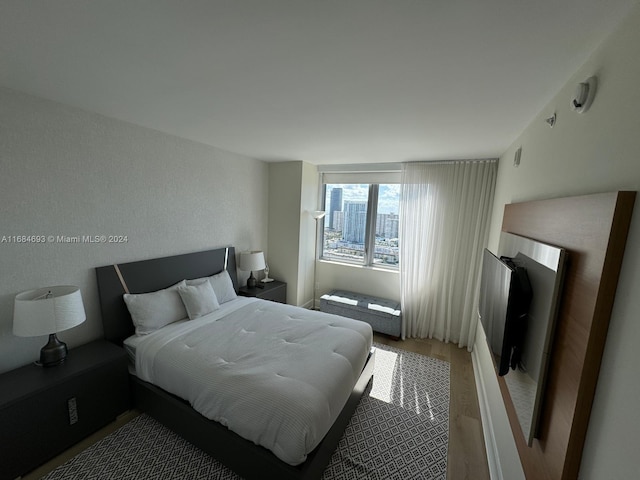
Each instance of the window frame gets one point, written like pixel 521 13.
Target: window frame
pixel 368 259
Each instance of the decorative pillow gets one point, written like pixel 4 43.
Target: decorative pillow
pixel 198 299
pixel 154 310
pixel 222 286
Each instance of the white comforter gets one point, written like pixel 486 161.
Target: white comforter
pixel 275 374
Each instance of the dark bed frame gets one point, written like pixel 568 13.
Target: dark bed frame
pixel 240 455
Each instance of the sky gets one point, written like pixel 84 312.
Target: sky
pixel 388 196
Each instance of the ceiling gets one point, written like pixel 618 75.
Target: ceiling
pixel 324 81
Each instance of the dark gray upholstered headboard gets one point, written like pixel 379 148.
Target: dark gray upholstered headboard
pixel 151 275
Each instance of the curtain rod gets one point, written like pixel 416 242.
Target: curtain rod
pixel 389 167
pixel 444 162
pixel 360 167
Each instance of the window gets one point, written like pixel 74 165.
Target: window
pixel 361 223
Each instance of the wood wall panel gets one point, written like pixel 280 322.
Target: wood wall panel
pixel 593 229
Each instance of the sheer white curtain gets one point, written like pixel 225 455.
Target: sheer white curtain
pixel 444 224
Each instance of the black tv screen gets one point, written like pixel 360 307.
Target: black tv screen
pixel 505 295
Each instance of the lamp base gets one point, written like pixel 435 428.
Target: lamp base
pixel 53 353
pixel 251 281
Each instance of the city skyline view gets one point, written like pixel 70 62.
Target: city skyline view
pixel 344 235
pixel 388 196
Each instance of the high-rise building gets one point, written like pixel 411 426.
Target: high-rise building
pixel 338 221
pixel 335 206
pixel 355 221
pixel 387 225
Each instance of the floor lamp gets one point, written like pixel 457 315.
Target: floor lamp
pixel 317 215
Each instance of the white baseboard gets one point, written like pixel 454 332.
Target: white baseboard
pixel 493 458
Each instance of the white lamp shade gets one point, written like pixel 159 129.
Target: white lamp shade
pixel 250 261
pixel 47 310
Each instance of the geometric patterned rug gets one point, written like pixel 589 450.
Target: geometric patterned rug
pixel 400 430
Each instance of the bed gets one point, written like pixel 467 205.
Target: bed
pixel 258 339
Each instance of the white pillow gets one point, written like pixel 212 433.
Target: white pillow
pixel 222 286
pixel 198 299
pixel 154 310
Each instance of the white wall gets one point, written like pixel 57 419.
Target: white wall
pixel 285 188
pixel 380 282
pixel 293 192
pixel 308 204
pixel 597 151
pixel 69 172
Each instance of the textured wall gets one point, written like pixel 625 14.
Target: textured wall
pixel 67 172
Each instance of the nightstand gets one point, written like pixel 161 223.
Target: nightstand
pixel 275 291
pixel 44 411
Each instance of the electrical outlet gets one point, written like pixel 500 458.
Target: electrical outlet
pixel 73 410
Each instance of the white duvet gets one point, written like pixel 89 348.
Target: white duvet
pixel 275 374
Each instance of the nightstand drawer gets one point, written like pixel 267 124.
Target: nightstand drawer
pixel 276 294
pixel 275 291
pixel 39 425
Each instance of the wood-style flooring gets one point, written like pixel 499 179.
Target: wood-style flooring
pixel 466 455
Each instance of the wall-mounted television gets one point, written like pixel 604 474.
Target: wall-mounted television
pixel 519 298
pixel 505 296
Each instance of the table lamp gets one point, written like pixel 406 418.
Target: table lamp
pixel 252 261
pixel 46 311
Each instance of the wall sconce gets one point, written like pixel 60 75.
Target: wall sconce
pixel 585 93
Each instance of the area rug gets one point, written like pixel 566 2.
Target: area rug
pixel 400 430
